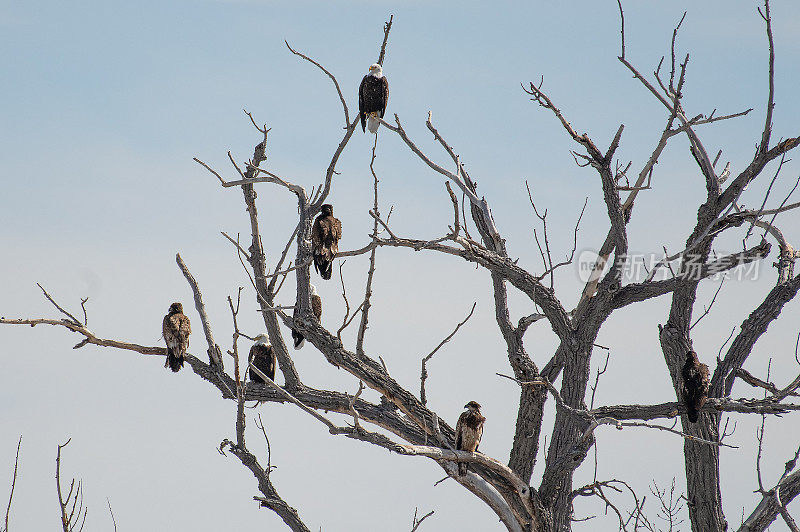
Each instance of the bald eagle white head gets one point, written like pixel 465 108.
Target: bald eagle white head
pixel 373 95
pixel 262 357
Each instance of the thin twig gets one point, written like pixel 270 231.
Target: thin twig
pixel 236 243
pixel 284 253
pixel 260 424
pixel 51 300
pixel 112 514
pixel 204 165
pixel 367 302
pixel 416 522
pixel 83 307
pixel 72 521
pixel 424 374
pixel 387 26
pixel 707 309
pixel 348 318
pixel 333 78
pixel 13 484
pixel 214 352
pixel 597 379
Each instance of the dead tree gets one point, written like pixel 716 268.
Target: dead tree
pixel 405 424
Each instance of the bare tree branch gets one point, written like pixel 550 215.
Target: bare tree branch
pixel 387 26
pixel 70 522
pixel 367 303
pixel 424 372
pixel 333 78
pixel 113 520
pixel 13 485
pixel 415 523
pixel 214 352
pixel 72 318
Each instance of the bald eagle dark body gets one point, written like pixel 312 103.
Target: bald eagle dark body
pixel 262 356
pixel 695 385
pixel 469 430
pixel 176 329
pixel 373 95
pixel 325 235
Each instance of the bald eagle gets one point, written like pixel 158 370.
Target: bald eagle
pixel 469 430
pixel 695 385
pixel 325 235
pixel 316 308
pixel 262 356
pixel 373 95
pixel 176 330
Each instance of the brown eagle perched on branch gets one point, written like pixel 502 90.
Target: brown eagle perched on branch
pixel 316 308
pixel 325 235
pixel 262 356
pixel 469 430
pixel 176 329
pixel 695 385
pixel 373 95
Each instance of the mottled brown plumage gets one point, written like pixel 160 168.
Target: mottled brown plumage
pixel 176 329
pixel 262 356
pixel 469 430
pixel 325 235
pixel 316 308
pixel 695 385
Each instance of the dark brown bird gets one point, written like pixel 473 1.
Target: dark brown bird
pixel 316 308
pixel 262 356
pixel 176 329
pixel 695 385
pixel 325 235
pixel 469 430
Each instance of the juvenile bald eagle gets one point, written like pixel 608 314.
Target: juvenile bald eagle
pixel 325 235
pixel 176 330
pixel 695 385
pixel 316 308
pixel 262 356
pixel 469 430
pixel 373 95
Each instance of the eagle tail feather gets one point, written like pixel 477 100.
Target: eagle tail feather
pixel 174 361
pixel 323 265
pixel 298 338
pixel 373 123
pixel 693 414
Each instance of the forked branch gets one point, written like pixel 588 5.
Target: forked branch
pixel 73 513
pixel 13 485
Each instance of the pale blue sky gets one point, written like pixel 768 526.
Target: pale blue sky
pixel 105 104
